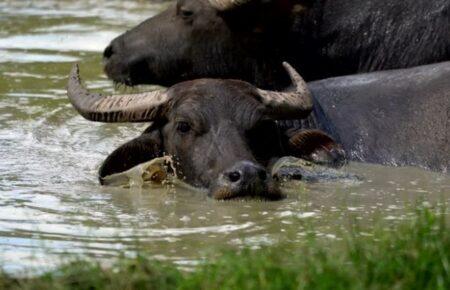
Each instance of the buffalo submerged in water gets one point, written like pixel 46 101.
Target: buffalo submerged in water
pixel 395 117
pixel 248 40
pixel 222 133
pixel 398 117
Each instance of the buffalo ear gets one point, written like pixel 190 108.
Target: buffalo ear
pixel 141 149
pixel 316 146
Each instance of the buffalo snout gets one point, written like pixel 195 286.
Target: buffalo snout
pixel 116 64
pixel 108 52
pixel 245 179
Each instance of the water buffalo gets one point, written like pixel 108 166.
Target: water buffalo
pixel 397 117
pixel 248 40
pixel 222 133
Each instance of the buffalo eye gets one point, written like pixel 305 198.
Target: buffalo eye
pixel 183 127
pixel 186 13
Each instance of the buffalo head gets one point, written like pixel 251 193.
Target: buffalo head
pixel 197 38
pixel 222 133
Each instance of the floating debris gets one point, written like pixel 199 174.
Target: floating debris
pixel 157 171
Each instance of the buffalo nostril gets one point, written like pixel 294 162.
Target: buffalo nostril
pixel 234 176
pixel 108 52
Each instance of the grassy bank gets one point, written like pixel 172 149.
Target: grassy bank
pixel 412 255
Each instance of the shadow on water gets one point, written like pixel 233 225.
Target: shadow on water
pixel 51 204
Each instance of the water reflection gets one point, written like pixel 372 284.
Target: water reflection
pixel 51 203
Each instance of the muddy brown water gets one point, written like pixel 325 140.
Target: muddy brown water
pixel 51 206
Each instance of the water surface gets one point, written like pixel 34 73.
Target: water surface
pixel 51 204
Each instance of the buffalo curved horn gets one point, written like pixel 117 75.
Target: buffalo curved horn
pixel 116 108
pixel 223 5
pixel 297 103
